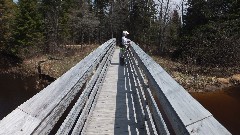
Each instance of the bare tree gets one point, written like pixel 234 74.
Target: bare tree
pixel 164 14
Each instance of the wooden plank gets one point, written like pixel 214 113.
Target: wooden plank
pixel 180 111
pixel 69 121
pixel 207 126
pixel 48 105
pixel 96 97
pixel 50 121
pixel 93 99
pixel 18 123
pixel 149 124
pixel 139 99
pixel 80 123
pixel 47 99
pixel 159 121
pixel 114 105
pixel 102 71
pixel 71 118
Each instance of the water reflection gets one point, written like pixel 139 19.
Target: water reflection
pixel 224 105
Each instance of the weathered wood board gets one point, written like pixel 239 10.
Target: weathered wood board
pixel 181 108
pixel 115 111
pixel 119 104
pixel 42 111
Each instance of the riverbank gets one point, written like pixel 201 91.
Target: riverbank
pixel 193 78
pixel 53 65
pixel 200 79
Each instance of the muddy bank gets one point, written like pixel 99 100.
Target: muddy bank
pixel 224 105
pixel 21 81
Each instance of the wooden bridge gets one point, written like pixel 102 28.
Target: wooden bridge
pixel 98 96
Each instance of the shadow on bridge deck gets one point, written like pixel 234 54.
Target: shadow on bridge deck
pixel 128 116
pixel 117 109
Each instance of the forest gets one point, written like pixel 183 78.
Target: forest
pixel 196 32
pixel 196 41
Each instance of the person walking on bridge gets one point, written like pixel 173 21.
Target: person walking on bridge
pixel 125 43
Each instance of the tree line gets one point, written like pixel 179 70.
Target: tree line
pixel 199 31
pixel 47 24
pixel 210 32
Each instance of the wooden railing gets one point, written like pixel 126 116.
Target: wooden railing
pixel 63 106
pixel 168 107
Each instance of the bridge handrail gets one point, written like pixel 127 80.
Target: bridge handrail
pixel 40 114
pixel 179 108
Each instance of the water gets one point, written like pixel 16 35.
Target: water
pixel 15 90
pixel 224 105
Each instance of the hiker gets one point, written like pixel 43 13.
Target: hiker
pixel 125 43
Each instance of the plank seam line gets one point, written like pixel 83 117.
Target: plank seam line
pixel 25 112
pixel 199 120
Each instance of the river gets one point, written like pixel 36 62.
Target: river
pixel 224 105
pixel 16 89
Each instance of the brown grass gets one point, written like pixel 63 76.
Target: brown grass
pixel 196 78
pixel 55 64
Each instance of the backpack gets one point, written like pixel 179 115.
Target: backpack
pixel 120 43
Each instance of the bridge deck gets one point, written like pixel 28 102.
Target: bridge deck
pixel 117 110
pixel 138 98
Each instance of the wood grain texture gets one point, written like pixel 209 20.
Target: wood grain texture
pixel 207 126
pixel 48 105
pixel 115 111
pixel 121 103
pixel 18 123
pixel 92 97
pixel 68 123
pixel 155 113
pixel 149 122
pixel 181 108
pixel 88 119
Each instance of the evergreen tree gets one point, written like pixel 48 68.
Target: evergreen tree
pixel 212 33
pixel 100 9
pixel 56 18
pixel 28 26
pixel 7 14
pixel 195 15
pixel 141 20
pixel 174 29
pixel 83 23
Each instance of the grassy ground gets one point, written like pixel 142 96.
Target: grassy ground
pixel 193 78
pixel 54 65
pixel 196 78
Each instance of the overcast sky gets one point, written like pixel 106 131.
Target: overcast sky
pixel 177 1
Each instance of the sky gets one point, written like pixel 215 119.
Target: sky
pixel 177 1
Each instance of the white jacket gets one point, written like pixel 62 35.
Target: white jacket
pixel 125 41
